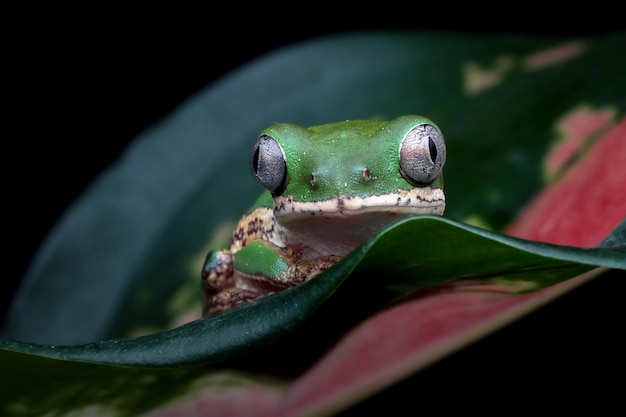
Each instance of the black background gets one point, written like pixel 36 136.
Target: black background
pixel 81 84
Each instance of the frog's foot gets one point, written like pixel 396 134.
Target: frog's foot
pixel 220 284
pixel 217 275
pixel 248 287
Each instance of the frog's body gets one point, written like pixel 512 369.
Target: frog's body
pixel 330 187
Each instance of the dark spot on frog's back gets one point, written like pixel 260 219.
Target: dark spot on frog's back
pixel 253 227
pixel 238 236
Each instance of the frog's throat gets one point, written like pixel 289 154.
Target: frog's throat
pixel 407 202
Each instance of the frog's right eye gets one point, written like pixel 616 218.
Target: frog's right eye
pixel 422 154
pixel 268 165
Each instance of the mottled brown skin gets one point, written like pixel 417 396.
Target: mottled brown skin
pixel 224 287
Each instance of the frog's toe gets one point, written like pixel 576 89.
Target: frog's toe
pixel 217 272
pixel 227 299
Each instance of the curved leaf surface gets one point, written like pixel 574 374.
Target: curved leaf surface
pixel 135 238
pixel 474 253
pixel 126 256
pixel 88 380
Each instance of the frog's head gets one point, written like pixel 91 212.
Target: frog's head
pixel 355 175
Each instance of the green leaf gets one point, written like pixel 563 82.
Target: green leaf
pixel 476 253
pixel 127 255
pixel 128 251
pixel 231 333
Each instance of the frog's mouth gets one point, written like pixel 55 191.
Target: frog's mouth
pixel 413 201
pixel 338 225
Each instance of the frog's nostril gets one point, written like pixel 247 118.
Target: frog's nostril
pixel 367 174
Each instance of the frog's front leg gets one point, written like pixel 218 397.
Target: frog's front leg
pixel 218 283
pixel 256 270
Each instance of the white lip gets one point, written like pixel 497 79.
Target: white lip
pixel 414 201
pixel 338 225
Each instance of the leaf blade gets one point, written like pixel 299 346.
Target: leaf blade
pixel 239 331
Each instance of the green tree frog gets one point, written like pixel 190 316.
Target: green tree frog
pixel 328 189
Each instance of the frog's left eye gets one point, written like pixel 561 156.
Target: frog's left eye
pixel 422 154
pixel 267 163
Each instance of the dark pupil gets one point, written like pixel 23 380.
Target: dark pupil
pixel 433 149
pixel 255 160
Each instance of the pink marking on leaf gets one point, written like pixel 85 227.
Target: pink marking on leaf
pixel 576 129
pixel 234 396
pixel 586 203
pixel 552 56
pixel 405 338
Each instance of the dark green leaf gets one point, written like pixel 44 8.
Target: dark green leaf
pixel 128 249
pixel 455 251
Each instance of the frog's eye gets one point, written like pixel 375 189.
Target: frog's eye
pixel 422 154
pixel 267 163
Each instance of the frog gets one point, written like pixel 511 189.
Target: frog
pixel 328 188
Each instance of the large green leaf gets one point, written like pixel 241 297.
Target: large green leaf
pixel 125 258
pixel 476 253
pixel 163 189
